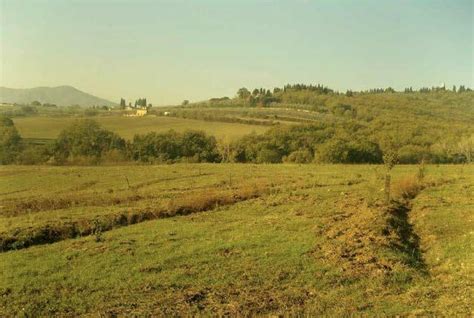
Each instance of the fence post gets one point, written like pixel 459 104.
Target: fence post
pixel 387 187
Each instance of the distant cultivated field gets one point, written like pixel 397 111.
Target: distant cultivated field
pixel 127 127
pixel 233 239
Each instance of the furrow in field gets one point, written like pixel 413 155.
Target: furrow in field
pixel 183 205
pixel 374 239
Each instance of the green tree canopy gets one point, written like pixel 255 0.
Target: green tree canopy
pixel 10 141
pixel 86 138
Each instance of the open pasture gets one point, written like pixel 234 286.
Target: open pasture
pixel 127 127
pixel 234 239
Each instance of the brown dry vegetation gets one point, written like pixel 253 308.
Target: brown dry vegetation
pixel 408 187
pixel 368 240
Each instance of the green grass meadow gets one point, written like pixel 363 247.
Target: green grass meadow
pixel 310 240
pixel 48 127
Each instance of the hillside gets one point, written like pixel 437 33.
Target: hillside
pixel 431 124
pixel 235 240
pixel 61 96
pixel 302 103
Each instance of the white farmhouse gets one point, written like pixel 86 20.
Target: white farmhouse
pixel 141 112
pixel 138 112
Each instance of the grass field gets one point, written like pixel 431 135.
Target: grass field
pixel 268 239
pixel 127 127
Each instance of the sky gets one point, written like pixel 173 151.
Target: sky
pixel 169 51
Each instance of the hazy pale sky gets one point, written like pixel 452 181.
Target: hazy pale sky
pixel 168 51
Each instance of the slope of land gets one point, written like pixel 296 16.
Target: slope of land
pixel 60 95
pixel 415 118
pixel 310 239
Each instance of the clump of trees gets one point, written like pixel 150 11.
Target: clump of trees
pixel 171 146
pixel 258 97
pixel 10 141
pixel 141 102
pixel 325 143
pixel 86 141
pixel 318 94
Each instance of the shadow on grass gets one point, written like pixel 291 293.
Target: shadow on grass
pixel 408 242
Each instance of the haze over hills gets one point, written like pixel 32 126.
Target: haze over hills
pixel 60 95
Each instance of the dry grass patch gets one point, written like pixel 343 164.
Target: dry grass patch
pixel 20 207
pixel 371 241
pixel 408 187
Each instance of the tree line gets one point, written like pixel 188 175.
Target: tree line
pixel 264 97
pixel 86 142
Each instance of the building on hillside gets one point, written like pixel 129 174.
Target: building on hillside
pixel 137 112
pixel 141 111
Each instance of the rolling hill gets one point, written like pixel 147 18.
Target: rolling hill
pixel 60 95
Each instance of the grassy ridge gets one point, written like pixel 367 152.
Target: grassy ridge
pixel 322 244
pixel 53 231
pixel 443 218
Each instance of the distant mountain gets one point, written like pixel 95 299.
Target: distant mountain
pixel 61 96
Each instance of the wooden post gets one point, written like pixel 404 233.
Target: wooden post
pixel 128 183
pixel 387 188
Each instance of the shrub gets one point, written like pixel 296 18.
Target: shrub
pixel 343 110
pixel 153 146
pixel 34 154
pixel 407 188
pixel 268 155
pixel 410 154
pixel 114 156
pixel 198 146
pixel 349 151
pixel 334 151
pixel 299 156
pixel 28 110
pixel 91 112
